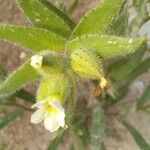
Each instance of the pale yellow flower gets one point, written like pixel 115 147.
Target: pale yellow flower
pixel 36 61
pixel 51 113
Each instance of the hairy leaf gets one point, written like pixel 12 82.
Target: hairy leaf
pixel 137 137
pixel 119 26
pixel 98 19
pixel 106 46
pixel 121 68
pixel 44 14
pixel 120 23
pixel 141 68
pixel 19 77
pixel 9 118
pixel 33 38
pixel 61 14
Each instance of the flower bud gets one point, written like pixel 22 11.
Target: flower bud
pixel 86 64
pixel 54 86
pixel 36 61
pixel 48 63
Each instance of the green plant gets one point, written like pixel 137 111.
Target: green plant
pixel 103 49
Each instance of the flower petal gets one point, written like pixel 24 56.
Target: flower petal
pixel 51 123
pixel 37 116
pixel 39 104
pixel 59 114
pixel 56 104
pixel 60 117
pixel 36 61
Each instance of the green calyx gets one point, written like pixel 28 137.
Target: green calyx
pixel 54 86
pixel 86 64
pixel 52 63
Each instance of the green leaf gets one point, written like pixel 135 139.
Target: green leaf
pixel 33 38
pixel 98 19
pixel 141 68
pixel 144 99
pixel 137 137
pixel 44 14
pixel 98 127
pixel 120 23
pixel 106 46
pixel 19 77
pixel 61 14
pixel 119 26
pixel 121 68
pixel 9 118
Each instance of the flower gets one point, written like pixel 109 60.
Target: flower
pixel 51 113
pixel 36 61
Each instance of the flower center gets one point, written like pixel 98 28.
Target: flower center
pixel 49 108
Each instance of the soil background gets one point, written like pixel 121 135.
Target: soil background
pixel 22 135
